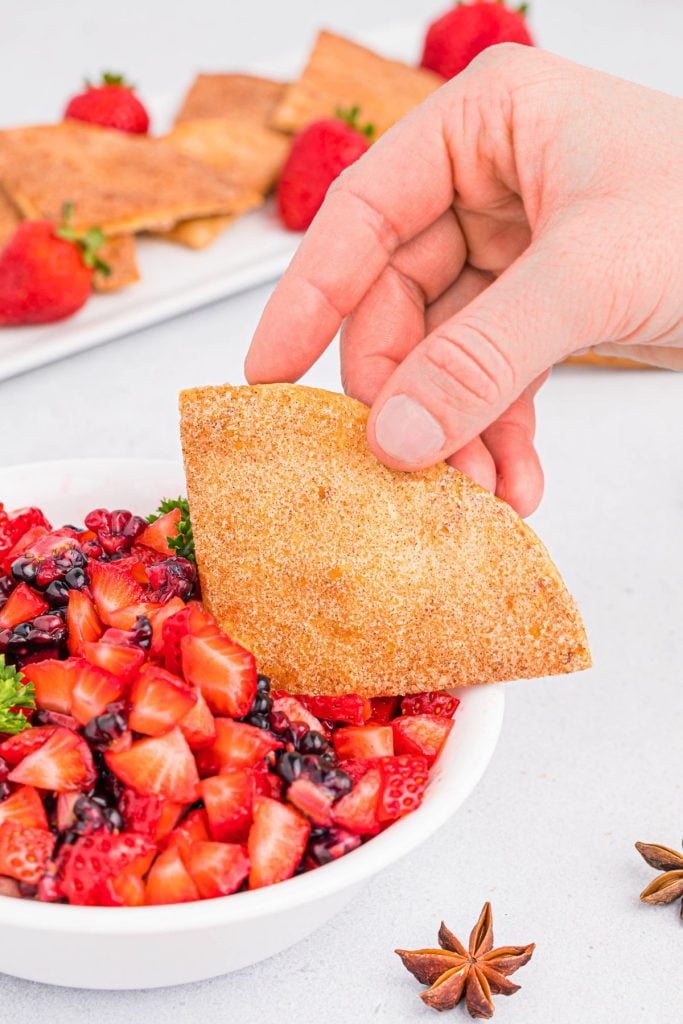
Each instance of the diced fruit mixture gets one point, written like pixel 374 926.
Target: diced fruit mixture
pixel 143 758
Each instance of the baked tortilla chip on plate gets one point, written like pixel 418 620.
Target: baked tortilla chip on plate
pixel 9 217
pixel 120 256
pixel 231 95
pixel 122 183
pixel 342 575
pixel 594 359
pixel 342 74
pixel 197 233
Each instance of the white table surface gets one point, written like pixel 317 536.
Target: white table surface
pixel 586 765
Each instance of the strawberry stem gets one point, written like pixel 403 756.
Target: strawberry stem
pixel 350 117
pixel 89 242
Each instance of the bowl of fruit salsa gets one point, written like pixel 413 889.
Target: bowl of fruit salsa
pixel 166 812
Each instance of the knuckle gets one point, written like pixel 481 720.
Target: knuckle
pixel 470 360
pixel 346 191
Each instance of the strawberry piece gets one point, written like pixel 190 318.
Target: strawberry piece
pixel 277 840
pixel 431 703
pixel 194 828
pixel 384 708
pixel 313 801
pixel 159 701
pixel 112 103
pixel 22 604
pixel 349 707
pixel 93 690
pixel 266 783
pixel 158 533
pixel 192 619
pixel 89 866
pixel 455 39
pixel 224 671
pixel 53 681
pixel 358 810
pixel 198 726
pixel 121 661
pixel 364 741
pixel 22 545
pixel 237 745
pixel 169 881
pixel 229 802
pixel 217 869
pixel 127 890
pixel 318 155
pixel 149 815
pixel 82 622
pixel 61 763
pixel 125 618
pixel 356 767
pixel 113 589
pixel 295 711
pixel 167 611
pixel 16 748
pixel 159 766
pixel 15 525
pixel 24 851
pixel 65 809
pixel 421 734
pixel 24 807
pixel 404 780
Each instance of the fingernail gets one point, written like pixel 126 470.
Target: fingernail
pixel 407 432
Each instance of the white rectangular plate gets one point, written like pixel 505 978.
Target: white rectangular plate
pixel 175 280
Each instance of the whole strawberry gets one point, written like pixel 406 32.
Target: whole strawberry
pixel 455 39
pixel 319 154
pixel 46 271
pixel 112 104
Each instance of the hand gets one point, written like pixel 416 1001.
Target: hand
pixel 528 209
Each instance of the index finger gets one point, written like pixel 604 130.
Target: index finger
pixel 399 187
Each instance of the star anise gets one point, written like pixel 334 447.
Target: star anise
pixel 478 973
pixel 667 887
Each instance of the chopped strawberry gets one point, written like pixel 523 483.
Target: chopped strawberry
pixel 169 881
pixel 313 801
pixel 16 748
pixel 24 807
pixel 93 690
pixel 65 809
pixel 82 622
pixel 192 619
pixel 349 707
pixel 421 734
pixel 217 869
pixel 113 589
pixel 149 815
pixel 237 745
pixel 126 618
pixel 194 828
pixel 160 766
pixel 198 725
pixel 356 767
pixel 61 763
pixel 165 612
pixel 121 661
pixel 88 866
pixel 159 701
pixel 364 741
pixel 15 525
pixel 24 851
pixel 404 780
pixel 434 702
pixel 277 840
pixel 158 533
pixel 30 537
pixel 54 682
pixel 229 802
pixel 295 711
pixel 358 810
pixel 267 783
pixel 22 604
pixel 224 671
pixel 127 890
pixel 384 708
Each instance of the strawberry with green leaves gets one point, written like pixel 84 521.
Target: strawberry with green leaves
pixel 112 103
pixel 318 155
pixel 459 35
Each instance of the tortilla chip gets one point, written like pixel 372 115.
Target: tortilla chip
pixel 251 154
pixel 593 359
pixel 344 576
pixel 342 74
pixel 122 183
pixel 244 96
pixel 120 256
pixel 197 233
pixel 9 217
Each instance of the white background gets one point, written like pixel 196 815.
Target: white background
pixel 586 765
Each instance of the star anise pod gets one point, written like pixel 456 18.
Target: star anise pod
pixel 667 887
pixel 478 973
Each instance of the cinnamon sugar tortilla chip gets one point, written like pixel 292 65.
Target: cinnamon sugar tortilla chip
pixel 122 183
pixel 120 256
pixel 251 154
pixel 342 74
pixel 342 575
pixel 231 95
pixel 9 217
pixel 197 233
pixel 594 359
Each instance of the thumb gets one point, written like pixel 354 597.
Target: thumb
pixel 474 365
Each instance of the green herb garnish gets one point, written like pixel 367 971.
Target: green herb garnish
pixel 183 542
pixel 14 693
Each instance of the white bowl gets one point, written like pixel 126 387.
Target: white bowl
pixel 147 947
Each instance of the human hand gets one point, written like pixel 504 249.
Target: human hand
pixel 528 209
